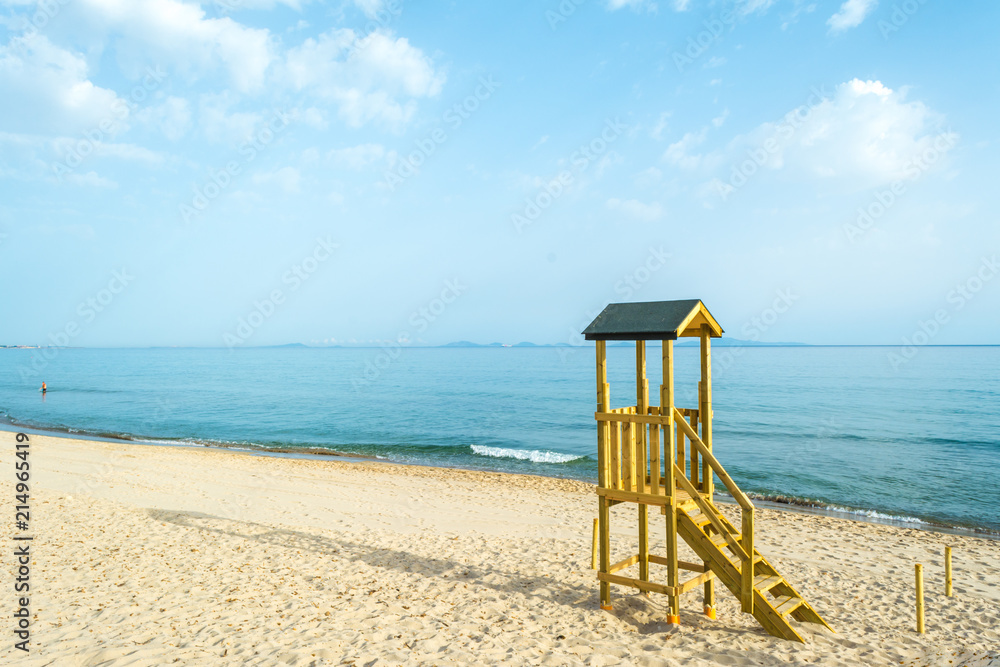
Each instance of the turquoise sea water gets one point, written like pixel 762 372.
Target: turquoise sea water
pixel 832 426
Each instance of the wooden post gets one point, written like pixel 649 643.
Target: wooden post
pixel 920 597
pixel 705 409
pixel 947 571
pixel 641 461
pixel 670 454
pixel 603 456
pixel 593 546
pixel 705 414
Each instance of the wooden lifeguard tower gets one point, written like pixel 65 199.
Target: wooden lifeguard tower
pixel 643 458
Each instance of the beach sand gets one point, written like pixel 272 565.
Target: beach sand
pixel 149 555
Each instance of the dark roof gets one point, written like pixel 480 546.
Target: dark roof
pixel 650 320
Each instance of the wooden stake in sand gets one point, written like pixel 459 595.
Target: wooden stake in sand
pixel 947 571
pixel 593 549
pixel 920 597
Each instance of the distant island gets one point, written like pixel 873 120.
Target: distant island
pixel 717 342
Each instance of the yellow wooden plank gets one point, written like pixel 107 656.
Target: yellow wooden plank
pixel 765 582
pixel 616 453
pixel 694 582
pixel 634 496
pixel 655 465
pixel 628 457
pixel 604 518
pixel 637 583
pixel 731 486
pixel 632 418
pixel 684 565
pixel 641 454
pixel 747 573
pixel 622 564
pixel 786 604
pixel 708 511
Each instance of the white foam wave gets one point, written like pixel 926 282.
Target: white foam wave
pixel 533 455
pixel 874 514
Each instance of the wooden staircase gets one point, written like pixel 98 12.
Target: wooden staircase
pixel 775 601
pixel 661 457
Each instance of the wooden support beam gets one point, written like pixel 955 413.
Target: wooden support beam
pixel 605 520
pixel 630 418
pixel 705 407
pixel 712 515
pixel 642 455
pixel 684 565
pixel 707 479
pixel 634 497
pixel 647 586
pixel 747 570
pixel 625 562
pixel 694 582
pixel 670 454
pixel 604 472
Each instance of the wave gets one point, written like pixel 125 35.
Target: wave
pixel 533 455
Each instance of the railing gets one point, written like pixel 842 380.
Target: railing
pixel 745 549
pixel 635 460
pixel 634 468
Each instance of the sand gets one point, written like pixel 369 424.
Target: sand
pixel 148 555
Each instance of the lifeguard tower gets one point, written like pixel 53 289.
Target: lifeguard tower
pixel 662 457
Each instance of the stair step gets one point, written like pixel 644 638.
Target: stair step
pixel 786 604
pixel 738 562
pixel 701 520
pixel 765 582
pixel 720 540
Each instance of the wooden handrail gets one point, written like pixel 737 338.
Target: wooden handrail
pixel 630 418
pixel 713 462
pixel 746 550
pixel 709 512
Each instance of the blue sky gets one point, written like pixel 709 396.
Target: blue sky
pixel 255 172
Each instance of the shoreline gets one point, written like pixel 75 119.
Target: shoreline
pixel 794 505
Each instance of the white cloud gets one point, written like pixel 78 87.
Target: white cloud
pixel 851 14
pixel 221 125
pixel 52 89
pixel 647 177
pixel 288 179
pixel 180 33
pixel 370 8
pixel 235 5
pixel 636 209
pixel 635 5
pixel 172 118
pixel 356 157
pixel 865 135
pixel 368 79
pixel 680 153
pixel 91 180
pixel 754 6
pixel 661 125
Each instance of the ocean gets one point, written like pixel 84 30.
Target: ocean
pixel 848 429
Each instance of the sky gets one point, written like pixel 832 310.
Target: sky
pixel 259 172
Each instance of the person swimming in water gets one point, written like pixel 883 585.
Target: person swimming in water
pixel 44 388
